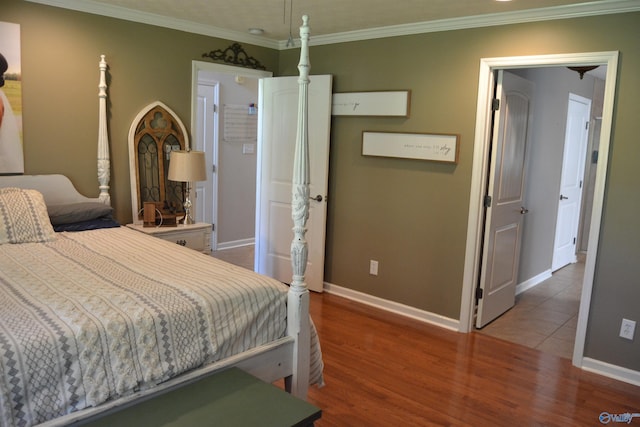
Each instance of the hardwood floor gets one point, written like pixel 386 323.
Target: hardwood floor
pixel 383 369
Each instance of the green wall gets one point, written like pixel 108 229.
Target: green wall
pixel 411 216
pixel 60 54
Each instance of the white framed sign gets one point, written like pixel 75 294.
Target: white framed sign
pixel 383 103
pixel 421 146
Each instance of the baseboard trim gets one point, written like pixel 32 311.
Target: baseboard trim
pixel 394 307
pixel 236 244
pixel 612 371
pixel 534 281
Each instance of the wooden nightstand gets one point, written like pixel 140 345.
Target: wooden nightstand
pixel 194 236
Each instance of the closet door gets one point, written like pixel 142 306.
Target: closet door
pixel 277 127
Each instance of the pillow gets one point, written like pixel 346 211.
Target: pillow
pixel 92 224
pixel 77 212
pixel 23 217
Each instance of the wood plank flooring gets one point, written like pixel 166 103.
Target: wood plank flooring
pixel 383 369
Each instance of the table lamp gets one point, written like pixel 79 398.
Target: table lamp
pixel 187 166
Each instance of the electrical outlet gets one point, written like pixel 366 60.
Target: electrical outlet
pixel 627 329
pixel 373 267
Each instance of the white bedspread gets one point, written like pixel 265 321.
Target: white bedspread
pixel 96 315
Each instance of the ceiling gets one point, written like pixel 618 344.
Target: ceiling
pixel 334 21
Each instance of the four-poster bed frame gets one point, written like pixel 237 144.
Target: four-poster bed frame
pixel 288 357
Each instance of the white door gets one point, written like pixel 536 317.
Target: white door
pixel 277 126
pixel 570 198
pixel 505 212
pixel 206 139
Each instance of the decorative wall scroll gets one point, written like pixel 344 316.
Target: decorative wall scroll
pixel 235 55
pixel 421 146
pixel 383 103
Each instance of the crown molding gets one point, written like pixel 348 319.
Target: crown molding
pixel 119 12
pixel 603 7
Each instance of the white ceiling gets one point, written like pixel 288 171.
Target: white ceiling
pixel 334 21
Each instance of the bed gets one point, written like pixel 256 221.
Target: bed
pixel 87 325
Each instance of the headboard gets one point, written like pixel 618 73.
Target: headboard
pixel 56 189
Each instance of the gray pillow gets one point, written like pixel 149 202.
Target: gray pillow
pixel 77 212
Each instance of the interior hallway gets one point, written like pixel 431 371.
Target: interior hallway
pixel 544 317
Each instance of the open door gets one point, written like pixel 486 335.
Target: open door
pixel 505 208
pixel 277 126
pixel 570 200
pixel 206 139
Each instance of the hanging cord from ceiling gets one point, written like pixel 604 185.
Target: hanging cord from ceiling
pixel 290 42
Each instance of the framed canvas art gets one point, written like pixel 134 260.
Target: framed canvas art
pixel 11 153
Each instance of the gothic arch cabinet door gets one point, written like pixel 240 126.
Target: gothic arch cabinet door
pixel 154 133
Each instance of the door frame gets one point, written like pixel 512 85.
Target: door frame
pixel 196 68
pixel 480 168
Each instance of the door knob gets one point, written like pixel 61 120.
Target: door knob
pixel 523 210
pixel 318 198
pixel 563 197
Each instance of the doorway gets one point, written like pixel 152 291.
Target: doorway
pixel 545 307
pixel 227 199
pixel 480 177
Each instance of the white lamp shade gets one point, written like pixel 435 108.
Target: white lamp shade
pixel 187 166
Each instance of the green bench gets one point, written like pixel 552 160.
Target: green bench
pixel 231 398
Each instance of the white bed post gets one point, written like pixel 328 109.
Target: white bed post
pixel 298 302
pixel 104 164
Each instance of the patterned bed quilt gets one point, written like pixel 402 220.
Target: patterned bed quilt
pixel 96 315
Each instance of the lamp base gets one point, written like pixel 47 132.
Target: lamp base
pixel 188 219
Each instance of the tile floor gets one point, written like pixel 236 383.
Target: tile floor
pixel 544 317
